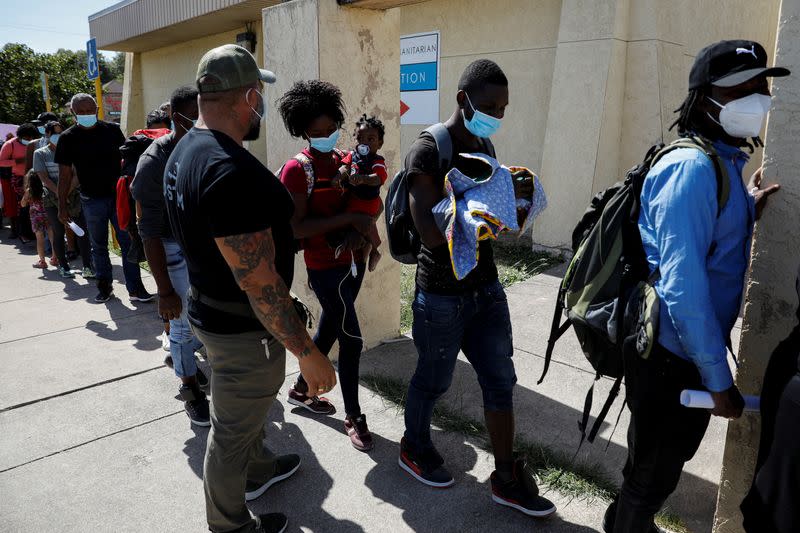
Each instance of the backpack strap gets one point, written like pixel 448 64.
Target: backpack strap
pixel 308 168
pixel 444 144
pixel 699 143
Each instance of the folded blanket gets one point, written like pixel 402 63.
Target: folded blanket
pixel 483 207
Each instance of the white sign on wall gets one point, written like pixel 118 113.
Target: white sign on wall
pixel 419 78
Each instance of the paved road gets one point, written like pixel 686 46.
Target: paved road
pixel 93 438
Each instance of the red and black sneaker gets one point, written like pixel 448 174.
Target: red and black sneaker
pixel 359 434
pixel 426 467
pixel 316 404
pixel 521 492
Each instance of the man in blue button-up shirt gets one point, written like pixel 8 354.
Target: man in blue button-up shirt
pixel 701 249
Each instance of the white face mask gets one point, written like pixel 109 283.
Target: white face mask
pixel 743 118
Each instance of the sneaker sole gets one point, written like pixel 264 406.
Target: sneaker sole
pixel 521 509
pixel 307 408
pixel 250 496
pixel 421 479
pixel 200 424
pixel 141 300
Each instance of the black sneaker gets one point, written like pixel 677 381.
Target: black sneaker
pixel 103 294
pixel 427 467
pixel 141 296
pixel 521 493
pixel 196 406
pixel 285 467
pixel 168 361
pixel 271 523
pixel 610 518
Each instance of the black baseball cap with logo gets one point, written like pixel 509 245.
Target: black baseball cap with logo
pixel 731 63
pixel 229 67
pixel 44 118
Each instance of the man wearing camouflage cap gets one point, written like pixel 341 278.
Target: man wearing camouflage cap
pixel 231 216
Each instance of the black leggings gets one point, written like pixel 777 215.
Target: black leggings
pixel 58 238
pixel 337 290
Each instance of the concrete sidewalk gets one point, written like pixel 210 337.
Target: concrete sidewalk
pixel 93 438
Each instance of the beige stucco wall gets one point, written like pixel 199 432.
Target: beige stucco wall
pixel 593 82
pixel 358 50
pixel 771 299
pixel 520 36
pixel 165 69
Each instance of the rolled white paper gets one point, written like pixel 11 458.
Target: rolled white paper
pixel 76 229
pixel 700 399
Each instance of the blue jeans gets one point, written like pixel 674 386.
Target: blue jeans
pixel 98 213
pixel 477 323
pixel 337 290
pixel 182 342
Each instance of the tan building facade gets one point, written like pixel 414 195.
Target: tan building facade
pixel 593 83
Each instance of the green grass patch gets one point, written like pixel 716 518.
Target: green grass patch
pixel 556 469
pixel 514 264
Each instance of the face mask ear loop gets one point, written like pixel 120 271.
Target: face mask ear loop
pixel 260 116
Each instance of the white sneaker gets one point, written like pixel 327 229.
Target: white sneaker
pixel 165 341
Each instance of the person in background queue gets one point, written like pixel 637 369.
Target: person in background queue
pixel 232 219
pixel 92 147
pixel 164 255
pixel 47 169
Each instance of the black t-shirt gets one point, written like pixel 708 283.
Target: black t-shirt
pixel 215 188
pixel 434 269
pixel 95 154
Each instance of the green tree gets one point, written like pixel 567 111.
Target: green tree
pixel 21 91
pixel 116 66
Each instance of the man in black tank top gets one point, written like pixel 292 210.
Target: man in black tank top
pixel 471 314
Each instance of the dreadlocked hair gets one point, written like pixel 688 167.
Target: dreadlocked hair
pixel 685 118
pixel 687 121
pixel 370 122
pixel 308 100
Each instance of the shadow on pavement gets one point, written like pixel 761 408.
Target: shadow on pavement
pixel 285 437
pixel 541 420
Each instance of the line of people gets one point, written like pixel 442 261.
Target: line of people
pixel 220 232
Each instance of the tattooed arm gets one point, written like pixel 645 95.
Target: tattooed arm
pixel 251 258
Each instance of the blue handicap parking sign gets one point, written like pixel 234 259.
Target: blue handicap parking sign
pixel 92 64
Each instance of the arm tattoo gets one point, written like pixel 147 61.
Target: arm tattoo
pixel 251 258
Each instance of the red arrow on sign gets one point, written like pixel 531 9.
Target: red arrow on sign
pixel 403 108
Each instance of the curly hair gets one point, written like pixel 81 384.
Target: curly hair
pixel 34 185
pixel 50 127
pixel 28 130
pixel 308 100
pixel 157 116
pixel 370 122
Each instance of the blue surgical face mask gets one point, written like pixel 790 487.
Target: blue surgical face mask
pixel 87 121
pixel 24 142
pixel 481 125
pixel 54 138
pixel 41 129
pixel 324 144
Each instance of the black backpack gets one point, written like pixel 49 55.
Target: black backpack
pixel 607 292
pixel 404 241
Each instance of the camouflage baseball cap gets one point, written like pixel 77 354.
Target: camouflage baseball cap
pixel 229 67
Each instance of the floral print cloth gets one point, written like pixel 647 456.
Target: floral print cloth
pixel 482 207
